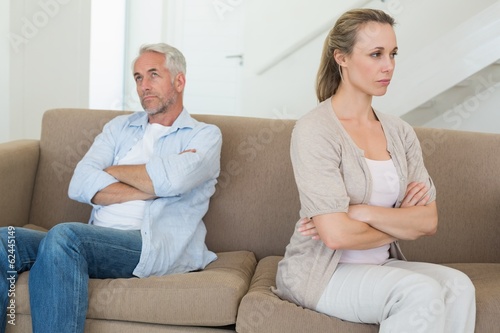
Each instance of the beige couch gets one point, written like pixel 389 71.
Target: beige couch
pixel 250 221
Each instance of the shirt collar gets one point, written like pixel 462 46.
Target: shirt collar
pixel 184 120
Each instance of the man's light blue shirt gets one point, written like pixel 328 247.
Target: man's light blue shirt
pixel 173 233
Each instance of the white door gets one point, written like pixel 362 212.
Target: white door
pixel 210 34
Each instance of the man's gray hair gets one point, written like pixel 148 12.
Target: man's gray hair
pixel 174 59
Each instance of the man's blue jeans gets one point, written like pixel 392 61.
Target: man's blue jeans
pixel 60 263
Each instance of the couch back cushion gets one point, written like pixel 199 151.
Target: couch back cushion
pixel 465 167
pixel 255 206
pixel 256 203
pixel 66 136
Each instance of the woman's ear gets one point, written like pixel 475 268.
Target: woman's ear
pixel 339 57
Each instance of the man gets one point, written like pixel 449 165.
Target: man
pixel 149 177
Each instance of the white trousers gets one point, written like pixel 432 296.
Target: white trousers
pixel 402 297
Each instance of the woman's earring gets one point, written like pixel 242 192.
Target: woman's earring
pixel 340 72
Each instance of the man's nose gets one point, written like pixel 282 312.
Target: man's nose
pixel 145 84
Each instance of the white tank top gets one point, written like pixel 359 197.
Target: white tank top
pixel 385 190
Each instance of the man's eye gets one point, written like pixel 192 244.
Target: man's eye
pixel 138 78
pixel 154 74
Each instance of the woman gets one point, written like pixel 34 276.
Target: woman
pixel 363 186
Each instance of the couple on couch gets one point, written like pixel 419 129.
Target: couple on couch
pixel 361 180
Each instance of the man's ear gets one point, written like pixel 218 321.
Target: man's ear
pixel 339 57
pixel 180 82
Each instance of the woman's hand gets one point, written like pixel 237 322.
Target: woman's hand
pixel 416 195
pixel 307 228
pixel 416 216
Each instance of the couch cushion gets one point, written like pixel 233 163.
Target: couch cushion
pixel 486 279
pixel 205 298
pixel 262 311
pixel 66 136
pixel 256 203
pixel 465 169
pixel 23 325
pixel 18 165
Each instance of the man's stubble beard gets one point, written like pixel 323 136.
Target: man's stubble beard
pixel 163 108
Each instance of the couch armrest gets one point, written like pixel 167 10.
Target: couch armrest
pixel 18 165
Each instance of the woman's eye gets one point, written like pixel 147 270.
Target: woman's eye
pixel 394 54
pixel 375 55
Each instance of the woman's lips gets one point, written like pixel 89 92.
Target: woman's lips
pixel 384 82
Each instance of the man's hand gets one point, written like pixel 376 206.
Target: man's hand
pixel 134 184
pixel 133 175
pixel 188 151
pixel 136 175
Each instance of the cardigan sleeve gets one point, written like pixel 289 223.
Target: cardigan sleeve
pixel 416 168
pixel 316 160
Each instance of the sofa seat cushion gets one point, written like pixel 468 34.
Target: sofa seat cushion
pixel 262 311
pixel 486 280
pixel 204 298
pixel 23 325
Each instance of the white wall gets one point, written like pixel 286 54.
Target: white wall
pixel 146 21
pixel 440 44
pixel 276 28
pixel 49 52
pixel 49 60
pixel 64 59
pixel 210 34
pixel 5 70
pixel 290 84
pixel 206 33
pixel 285 91
pixel 283 43
pixel 107 54
pixel 479 112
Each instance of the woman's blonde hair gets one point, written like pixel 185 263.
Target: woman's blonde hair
pixel 342 37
